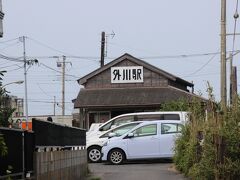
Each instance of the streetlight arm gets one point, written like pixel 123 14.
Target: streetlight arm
pixel 15 82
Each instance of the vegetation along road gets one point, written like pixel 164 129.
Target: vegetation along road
pixel 140 170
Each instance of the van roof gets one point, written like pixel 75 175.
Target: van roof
pixel 162 122
pixel 155 112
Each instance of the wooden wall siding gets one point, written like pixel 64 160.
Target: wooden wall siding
pixel 62 165
pixel 103 80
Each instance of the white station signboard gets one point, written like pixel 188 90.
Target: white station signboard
pixel 127 74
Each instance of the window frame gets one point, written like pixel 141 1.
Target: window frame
pixel 178 125
pixel 144 135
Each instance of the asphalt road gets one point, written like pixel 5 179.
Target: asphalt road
pixel 139 170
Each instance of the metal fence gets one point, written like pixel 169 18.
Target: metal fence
pixel 20 149
pixel 51 134
pixel 22 145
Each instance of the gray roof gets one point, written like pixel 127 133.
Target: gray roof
pixel 137 61
pixel 147 96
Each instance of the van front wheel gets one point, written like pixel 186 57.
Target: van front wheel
pixel 94 154
pixel 116 156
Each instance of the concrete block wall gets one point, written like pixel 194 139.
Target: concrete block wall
pixel 61 165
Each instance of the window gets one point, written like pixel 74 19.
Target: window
pixel 120 130
pixel 169 128
pixel 106 127
pixel 150 117
pixel 171 117
pixel 147 130
pixel 117 122
pixel 123 120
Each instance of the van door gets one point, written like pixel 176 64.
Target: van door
pixel 169 133
pixel 144 144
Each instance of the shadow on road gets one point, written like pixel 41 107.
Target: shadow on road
pixel 152 161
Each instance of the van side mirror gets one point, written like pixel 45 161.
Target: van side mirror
pixel 130 135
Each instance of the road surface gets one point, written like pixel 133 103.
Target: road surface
pixel 144 170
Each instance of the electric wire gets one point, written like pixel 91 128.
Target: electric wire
pixel 40 101
pixel 10 58
pixel 2 42
pixel 57 70
pixel 46 46
pixel 15 69
pixel 43 90
pixel 204 65
pixel 9 66
pixel 9 45
pixel 95 59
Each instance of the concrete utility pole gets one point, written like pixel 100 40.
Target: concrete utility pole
pixel 54 105
pixel 63 85
pixel 223 56
pixel 231 80
pixel 25 81
pixel 234 86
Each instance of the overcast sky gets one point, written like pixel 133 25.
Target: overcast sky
pixel 149 30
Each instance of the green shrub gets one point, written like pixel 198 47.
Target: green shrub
pixel 3 147
pixel 220 150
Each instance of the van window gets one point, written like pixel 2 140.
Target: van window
pixel 150 117
pixel 147 130
pixel 171 117
pixel 117 122
pixel 105 127
pixel 123 120
pixel 170 128
pixel 120 130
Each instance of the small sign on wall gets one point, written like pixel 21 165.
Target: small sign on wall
pixel 127 74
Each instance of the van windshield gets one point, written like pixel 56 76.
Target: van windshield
pixel 116 122
pixel 120 130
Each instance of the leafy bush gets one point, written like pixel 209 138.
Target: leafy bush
pixel 3 147
pixel 217 155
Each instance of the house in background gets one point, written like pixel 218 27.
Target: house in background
pixel 126 85
pixel 13 102
pixel 16 104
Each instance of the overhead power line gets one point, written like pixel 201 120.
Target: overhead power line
pixel 96 59
pixel 57 70
pixel 40 101
pixel 204 65
pixel 46 46
pixel 2 42
pixel 9 45
pixel 10 58
pixel 16 69
pixel 9 66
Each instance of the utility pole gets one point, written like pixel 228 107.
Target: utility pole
pixel 25 80
pixel 223 55
pixel 54 106
pixel 231 80
pixel 63 85
pixel 104 41
pixel 234 86
pixel 102 49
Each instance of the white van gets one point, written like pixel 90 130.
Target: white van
pixel 148 140
pixel 140 116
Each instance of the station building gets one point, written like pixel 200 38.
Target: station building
pixel 125 85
